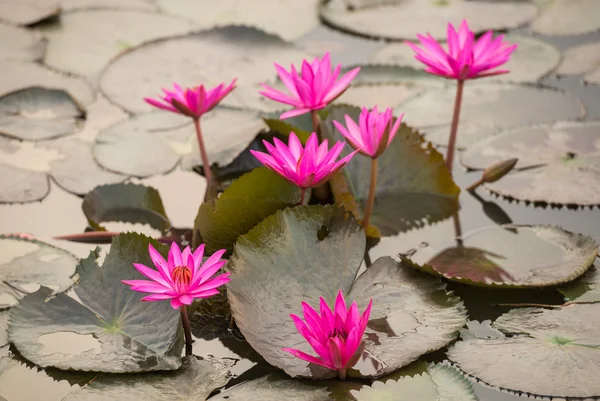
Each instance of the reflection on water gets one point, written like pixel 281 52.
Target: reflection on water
pixel 63 342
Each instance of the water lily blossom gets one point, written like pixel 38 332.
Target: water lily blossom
pixel 371 136
pixel 305 167
pixel 466 58
pixel 336 337
pixel 181 279
pixel 193 103
pixel 312 89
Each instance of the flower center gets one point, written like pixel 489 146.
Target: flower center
pixel 339 333
pixel 181 276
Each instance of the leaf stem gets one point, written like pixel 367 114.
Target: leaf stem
pixel 302 196
pixel 371 198
pixel 454 127
pixel 186 330
pixel 203 154
pixel 475 185
pixel 314 115
pixel 342 374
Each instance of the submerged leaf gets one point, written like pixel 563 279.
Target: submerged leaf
pixel 245 203
pixel 106 327
pixel 130 203
pixel 558 351
pixel 413 183
pixel 26 264
pixel 195 380
pixel 585 289
pixel 302 253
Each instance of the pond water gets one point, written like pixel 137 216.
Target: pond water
pixel 59 213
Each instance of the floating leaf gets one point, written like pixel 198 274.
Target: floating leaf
pixel 107 328
pixel 233 51
pixel 27 264
pixel 19 185
pixel 37 113
pixel 413 183
pixel 141 5
pixel 585 289
pixel 438 383
pixel 85 41
pixel 18 382
pixel 3 327
pixel 249 200
pixel 20 44
pixel 563 156
pixel 28 12
pixel 18 75
pixel 558 351
pixel 129 203
pixel 302 253
pixel 582 59
pixel 488 109
pixel 193 381
pixel 289 19
pixel 533 59
pixel 397 20
pixel 533 256
pixel 568 17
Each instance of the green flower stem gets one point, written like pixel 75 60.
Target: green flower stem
pixel 320 192
pixel 203 155
pixel 342 374
pixel 314 115
pixel 186 330
pixel 371 198
pixel 454 127
pixel 302 196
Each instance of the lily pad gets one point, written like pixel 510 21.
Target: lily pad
pixel 289 19
pixel 28 12
pixel 18 75
pixel 529 256
pixel 140 5
pixel 488 109
pixel 568 17
pixel 533 59
pixel 233 51
pixel 245 203
pixel 106 328
pixel 582 59
pixel 129 203
pixel 414 186
pixel 558 351
pixel 193 381
pixel 3 326
pixel 85 41
pixel 27 264
pixel 439 383
pixel 283 258
pixel 20 44
pixel 564 156
pixel 397 20
pixel 38 113
pixel 18 382
pixel 19 185
pixel 585 289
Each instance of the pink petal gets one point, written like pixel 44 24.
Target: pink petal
pixel 175 303
pixel 214 283
pixel 146 286
pixel 156 297
pixel 301 327
pixel 351 346
pixel 186 299
pixel 295 146
pixel 279 96
pixel 160 262
pixel 306 357
pixel 175 255
pixel 340 306
pixel 294 113
pixel 203 294
pixel 160 105
pixel 198 255
pixel 151 274
pixel 286 78
pixel 268 161
pixel 341 85
pixel 206 273
pixel 364 319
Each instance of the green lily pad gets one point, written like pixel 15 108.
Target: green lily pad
pixel 37 113
pixel 585 289
pixel 488 109
pixel 568 17
pixel 129 203
pixel 530 256
pixel 3 326
pixel 413 183
pixel 558 351
pixel 18 382
pixel 27 264
pixel 288 19
pixel 397 20
pixel 28 12
pixel 438 383
pixel 564 156
pixel 195 380
pixel 283 258
pixel 233 51
pixel 245 203
pixel 140 5
pixel 85 41
pixel 20 44
pixel 106 329
pixel 533 59
pixel 19 75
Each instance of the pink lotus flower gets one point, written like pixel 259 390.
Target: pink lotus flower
pixel 182 278
pixel 306 167
pixel 466 57
pixel 192 102
pixel 373 133
pixel 336 337
pixel 313 89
